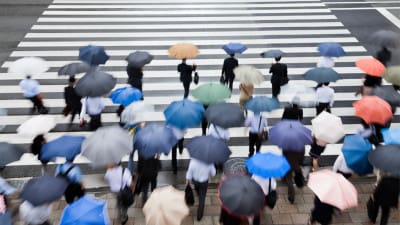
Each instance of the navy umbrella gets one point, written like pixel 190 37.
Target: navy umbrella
pixel 225 115
pixel 331 49
pixel 93 55
pixel 273 53
pixel 386 158
pixel 9 153
pixel 322 75
pixel 139 58
pixel 72 69
pixel 290 135
pixel 208 149
pixel 95 83
pixel 65 146
pixel 232 48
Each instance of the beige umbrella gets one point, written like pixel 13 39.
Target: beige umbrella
pixel 248 74
pixel 327 127
pixel 183 51
pixel 166 206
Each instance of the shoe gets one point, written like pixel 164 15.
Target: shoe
pixel 124 220
pixel 291 199
pixel 199 217
pixel 180 151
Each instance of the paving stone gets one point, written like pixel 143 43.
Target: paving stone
pixel 300 218
pixel 206 220
pixel 282 219
pixel 135 212
pixel 287 208
pixel 214 210
pixel 187 221
pixel 343 217
pixel 359 217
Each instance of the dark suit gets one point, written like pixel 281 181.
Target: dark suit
pixel 227 70
pixel 292 113
pixel 73 101
pixel 135 77
pixel 279 77
pixel 148 172
pixel 372 81
pixel 295 159
pixel 384 56
pixel 186 76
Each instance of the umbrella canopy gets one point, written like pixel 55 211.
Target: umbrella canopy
pixel 327 127
pixel 93 55
pixel 107 145
pixel 136 112
pixel 273 53
pixel 139 58
pixel 225 115
pixel 154 139
pixel 95 83
pixel 386 158
pixel 290 135
pixel 268 165
pixel 6 218
pixel 6 188
pixel 65 146
pixel 208 149
pixel 235 166
pixel 184 113
pixel 211 93
pixel 183 51
pixel 233 48
pixel 125 95
pixel 392 75
pixel 385 38
pixel 322 75
pixel 248 74
pixel 28 66
pixel 333 189
pixel 241 195
pixel 9 153
pixel 371 66
pixel 388 93
pixel 298 94
pixel 36 125
pixel 85 211
pixel 373 109
pixel 44 189
pixel 355 151
pixel 72 69
pixel 158 209
pixel 331 49
pixel 3 112
pixel 391 136
pixel 262 104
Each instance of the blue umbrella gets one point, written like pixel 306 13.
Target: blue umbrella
pixel 126 95
pixel 391 136
pixel 64 146
pixel 6 218
pixel 208 149
pixel 331 49
pixel 355 151
pixel 290 135
pixel 85 211
pixel 93 55
pixel 273 53
pixel 268 165
pixel 262 104
pixel 322 75
pixel 183 114
pixel 232 48
pixel 154 139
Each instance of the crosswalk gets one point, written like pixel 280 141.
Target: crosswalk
pixel 123 26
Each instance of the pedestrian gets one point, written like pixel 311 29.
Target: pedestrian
pixel 135 76
pixel 36 149
pixel 326 61
pixel 72 100
pixel 317 148
pixel 256 123
pixel 295 159
pixel 93 106
pixel 325 98
pixel 340 166
pixel 279 76
pixel 30 90
pixel 186 76
pixel 321 213
pixel 148 172
pixel 383 55
pixel 198 173
pixel 35 215
pixel 179 134
pixel 267 185
pixel 227 73
pixel 246 93
pixel 133 129
pixel 292 112
pixel 73 175
pixel 218 132
pixel 204 122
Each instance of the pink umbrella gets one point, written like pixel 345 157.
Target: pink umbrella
pixel 333 189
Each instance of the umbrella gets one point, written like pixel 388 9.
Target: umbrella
pixel 139 58
pixel 44 189
pixel 6 218
pixel 208 149
pixel 154 139
pixel 327 127
pixel 373 109
pixel 225 115
pixel 262 104
pixel 36 125
pixel 95 83
pixel 385 38
pixel 184 113
pixel 125 95
pixel 232 48
pixel 248 74
pixel 183 51
pixel 241 195
pixel 333 189
pixel 72 69
pixel 273 53
pixel 391 136
pixel 9 153
pixel 355 151
pixel 322 75
pixel 235 166
pixel 3 112
pixel 93 55
pixel 85 211
pixel 136 112
pixel 28 66
pixel 107 145
pixel 268 165
pixel 158 209
pixel 392 75
pixel 388 93
pixel 211 93
pixel 290 135
pixel 331 49
pixel 6 188
pixel 65 146
pixel 386 158
pixel 371 66
pixel 298 94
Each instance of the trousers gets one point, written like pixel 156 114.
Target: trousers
pixel 201 190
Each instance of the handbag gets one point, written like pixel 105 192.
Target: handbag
pixel 222 79
pixel 125 195
pixel 272 197
pixel 299 179
pixel 263 135
pixel 196 78
pixel 189 197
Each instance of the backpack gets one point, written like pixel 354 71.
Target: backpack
pixel 125 195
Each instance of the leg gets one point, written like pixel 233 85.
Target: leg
pixel 202 192
pixel 385 215
pixel 173 161
pixel 258 144
pixel 275 89
pixel 145 190
pixel 231 83
pixel 252 142
pixel 153 184
pixel 289 182
pixel 180 145
pixel 122 212
pixel 186 87
pixel 314 164
pixel 131 163
pixel 204 124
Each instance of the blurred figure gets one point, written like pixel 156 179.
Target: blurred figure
pixel 135 76
pixel 246 92
pixel 186 76
pixel 325 98
pixel 293 112
pixel 36 149
pixel 317 148
pixel 204 122
pixel 383 55
pixel 148 172
pixel 256 123
pixel 267 185
pixel 326 61
pixel 30 90
pixel 229 65
pixel 179 134
pixel 340 166
pixel 279 76
pixel 35 215
pixel 93 106
pixel 73 175
pixel 321 213
pixel 295 159
pixel 72 100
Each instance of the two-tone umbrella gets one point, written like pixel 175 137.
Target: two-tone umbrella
pixel 373 109
pixel 184 113
pixel 9 153
pixel 72 69
pixel 139 58
pixel 268 165
pixel 331 49
pixel 327 127
pixel 125 95
pixel 386 158
pixel 234 47
pixel 248 74
pixel 93 55
pixel 322 75
pixel 208 149
pixel 262 104
pixel 272 53
pixel 28 66
pixel 391 135
pixel 136 112
pixel 211 93
pixel 65 146
pixel 183 51
pixel 290 135
pixel 225 115
pixel 95 83
pixel 371 66
pixel 37 125
pixel 355 151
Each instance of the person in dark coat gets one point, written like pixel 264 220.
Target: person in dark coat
pixel 229 65
pixel 383 55
pixel 148 172
pixel 36 149
pixel 135 76
pixel 295 159
pixel 293 112
pixel 186 75
pixel 321 213
pixel 72 100
pixel 279 76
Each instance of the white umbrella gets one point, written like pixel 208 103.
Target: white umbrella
pixel 136 112
pixel 327 127
pixel 248 74
pixel 28 66
pixel 36 125
pixel 298 94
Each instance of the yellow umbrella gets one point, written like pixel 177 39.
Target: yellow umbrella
pixel 166 206
pixel 183 51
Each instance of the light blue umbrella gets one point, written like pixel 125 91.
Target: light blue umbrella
pixel 232 48
pixel 391 136
pixel 273 53
pixel 331 49
pixel 126 95
pixel 355 151
pixel 290 135
pixel 268 165
pixel 262 104
pixel 93 55
pixel 322 75
pixel 184 114
pixel 65 146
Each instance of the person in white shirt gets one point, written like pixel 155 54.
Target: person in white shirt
pixel 35 215
pixel 30 90
pixel 218 132
pixel 93 106
pixel 325 98
pixel 326 62
pixel 256 123
pixel 340 166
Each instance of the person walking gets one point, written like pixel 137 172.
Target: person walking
pixel 92 106
pixel 279 76
pixel 293 112
pixel 325 98
pixel 317 148
pixel 148 172
pixel 30 90
pixel 72 173
pixel 267 185
pixel 227 73
pixel 35 215
pixel 295 159
pixel 326 61
pixel 246 92
pixel 256 123
pixel 204 122
pixel 135 77
pixel 321 213
pixel 218 132
pixel 72 100
pixel 186 76
pixel 36 149
pixel 340 166
pixel 179 134
pixel 383 55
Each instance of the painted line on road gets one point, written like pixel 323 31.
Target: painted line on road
pixel 389 16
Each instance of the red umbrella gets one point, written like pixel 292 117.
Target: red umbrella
pixel 371 66
pixel 373 109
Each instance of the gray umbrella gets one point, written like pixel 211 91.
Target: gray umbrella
pixel 9 153
pixel 225 115
pixel 139 58
pixel 6 218
pixel 388 93
pixel 386 158
pixel 235 166
pixel 95 83
pixel 385 38
pixel 273 53
pixel 72 69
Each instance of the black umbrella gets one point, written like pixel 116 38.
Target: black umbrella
pixel 386 158
pixel 225 115
pixel 385 38
pixel 139 58
pixel 9 153
pixel 235 166
pixel 241 195
pixel 45 189
pixel 388 93
pixel 208 149
pixel 72 69
pixel 95 83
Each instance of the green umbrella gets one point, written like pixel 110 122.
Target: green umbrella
pixel 392 75
pixel 211 93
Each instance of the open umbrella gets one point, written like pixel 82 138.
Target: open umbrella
pixel 36 125
pixel 107 145
pixel 235 166
pixel 6 188
pixel 327 127
pixel 290 135
pixel 385 38
pixel 373 109
pixel 371 66
pixel 136 112
pixel 208 149
pixel 211 93
pixel 95 83
pixel 72 69
pixel 331 49
pixel 3 112
pixel 93 55
pixel 333 189
pixel 28 66
pixel 273 53
pixel 268 165
pixel 183 51
pixel 262 104
pixel 386 158
pixel 392 75
pixel 233 48
pixel 248 74
pixel 184 113
pixel 391 136
pixel 6 218
pixel 9 153
pixel 225 115
pixel 139 58
pixel 322 75
pixel 158 209
pixel 355 151
pixel 65 146
pixel 387 93
pixel 125 95
pixel 298 94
